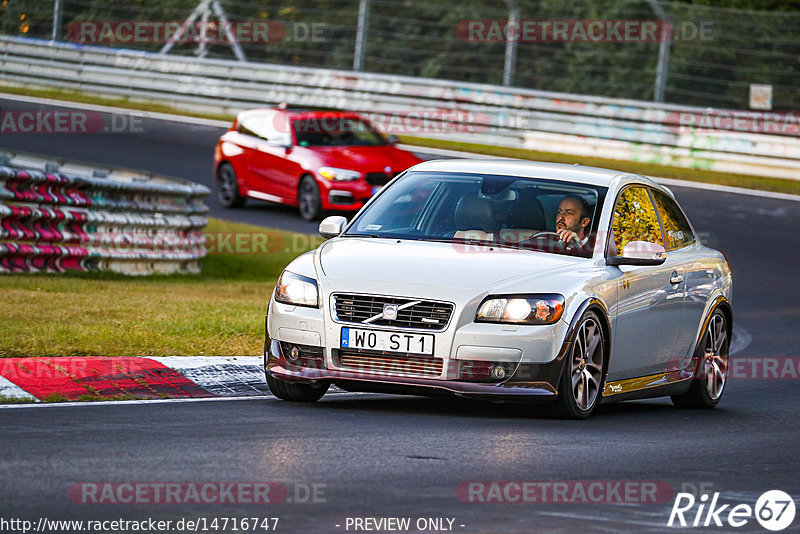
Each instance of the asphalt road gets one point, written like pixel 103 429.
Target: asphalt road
pixel 382 456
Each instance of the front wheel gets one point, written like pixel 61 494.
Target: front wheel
pixel 581 383
pixel 289 391
pixel 308 199
pixel 712 367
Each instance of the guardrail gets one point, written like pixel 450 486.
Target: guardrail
pixel 74 218
pixel 590 126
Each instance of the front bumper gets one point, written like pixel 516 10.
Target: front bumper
pixel 530 383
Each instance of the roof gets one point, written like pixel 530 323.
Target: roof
pixel 533 169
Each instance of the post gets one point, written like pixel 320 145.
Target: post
pixel 662 68
pixel 511 43
pixel 56 20
pixel 361 35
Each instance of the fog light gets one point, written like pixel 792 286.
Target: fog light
pixel 293 353
pixel 497 372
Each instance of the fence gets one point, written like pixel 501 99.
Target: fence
pixel 75 218
pixel 709 58
pixel 741 142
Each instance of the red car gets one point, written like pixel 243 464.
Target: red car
pixel 316 160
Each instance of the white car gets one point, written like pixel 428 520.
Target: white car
pixel 507 281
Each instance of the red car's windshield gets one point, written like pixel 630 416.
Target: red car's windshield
pixel 335 131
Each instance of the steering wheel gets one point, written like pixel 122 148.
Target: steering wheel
pixel 572 244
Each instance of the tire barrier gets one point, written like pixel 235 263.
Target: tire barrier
pixel 54 221
pixel 747 142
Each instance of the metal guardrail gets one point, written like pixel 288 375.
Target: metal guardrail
pixel 495 115
pixel 74 218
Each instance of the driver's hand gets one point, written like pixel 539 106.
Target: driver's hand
pixel 567 235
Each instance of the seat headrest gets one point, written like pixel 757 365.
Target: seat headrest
pixel 474 213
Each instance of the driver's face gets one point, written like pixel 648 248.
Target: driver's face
pixel 568 216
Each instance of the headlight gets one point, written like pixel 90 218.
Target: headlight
pixel 296 290
pixel 338 175
pixel 521 309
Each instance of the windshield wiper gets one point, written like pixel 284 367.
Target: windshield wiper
pixel 467 241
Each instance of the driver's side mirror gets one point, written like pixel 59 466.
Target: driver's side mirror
pixel 640 253
pixel 283 140
pixel 332 226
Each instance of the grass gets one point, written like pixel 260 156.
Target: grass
pixel 778 185
pixel 763 183
pixel 219 312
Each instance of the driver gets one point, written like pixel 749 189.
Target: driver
pixel 572 221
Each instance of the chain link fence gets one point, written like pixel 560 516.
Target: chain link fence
pixel 698 55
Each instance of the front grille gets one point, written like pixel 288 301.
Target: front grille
pixel 412 313
pixel 404 365
pixel 377 178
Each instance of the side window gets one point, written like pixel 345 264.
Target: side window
pixel 635 219
pixel 251 124
pixel 676 227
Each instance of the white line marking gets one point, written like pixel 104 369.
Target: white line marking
pixel 336 394
pixel 130 402
pixel 119 111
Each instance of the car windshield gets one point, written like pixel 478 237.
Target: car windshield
pixel 336 131
pixel 504 211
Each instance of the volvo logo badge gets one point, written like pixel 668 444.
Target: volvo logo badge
pixel 390 312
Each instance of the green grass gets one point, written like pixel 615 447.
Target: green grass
pixel 777 185
pixel 219 312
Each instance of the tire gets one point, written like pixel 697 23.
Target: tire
pixel 228 187
pixel 308 199
pixel 289 391
pixel 580 387
pixel 711 373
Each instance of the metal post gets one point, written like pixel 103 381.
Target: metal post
pixel 56 20
pixel 511 43
pixel 662 69
pixel 361 35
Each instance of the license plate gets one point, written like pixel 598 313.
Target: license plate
pixel 356 338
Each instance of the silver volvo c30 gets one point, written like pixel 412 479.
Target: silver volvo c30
pixel 508 281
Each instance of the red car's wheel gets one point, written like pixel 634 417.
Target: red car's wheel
pixel 308 199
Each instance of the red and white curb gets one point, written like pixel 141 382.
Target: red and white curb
pixel 97 378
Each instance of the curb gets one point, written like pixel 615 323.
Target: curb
pixel 130 378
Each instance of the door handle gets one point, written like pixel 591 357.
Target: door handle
pixel 676 278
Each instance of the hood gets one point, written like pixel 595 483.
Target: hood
pixel 443 265
pixel 365 158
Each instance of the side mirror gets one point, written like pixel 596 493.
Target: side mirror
pixel 332 226
pixel 283 140
pixel 392 138
pixel 640 253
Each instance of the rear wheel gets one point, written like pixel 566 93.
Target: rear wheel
pixel 308 199
pixel 290 391
pixel 228 187
pixel 712 367
pixel 581 383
